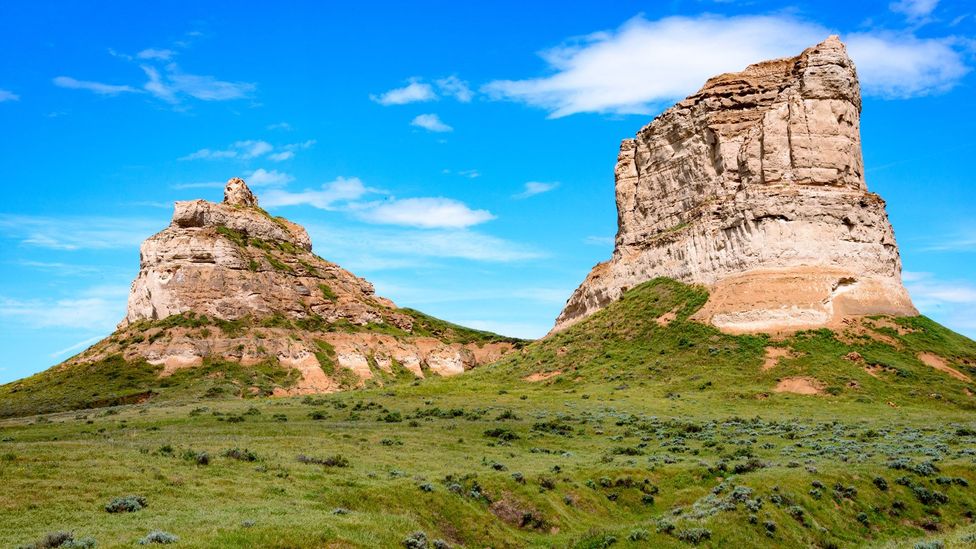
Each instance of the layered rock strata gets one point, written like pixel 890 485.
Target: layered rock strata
pixel 230 282
pixel 754 186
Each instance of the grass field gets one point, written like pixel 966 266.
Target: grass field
pixel 634 432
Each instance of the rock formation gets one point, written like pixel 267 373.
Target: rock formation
pixel 754 187
pixel 230 282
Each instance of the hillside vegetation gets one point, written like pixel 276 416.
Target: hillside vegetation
pixel 634 427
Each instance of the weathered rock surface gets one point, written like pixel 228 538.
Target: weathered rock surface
pixel 230 282
pixel 754 186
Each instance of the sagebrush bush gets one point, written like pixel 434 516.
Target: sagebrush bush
pixel 240 455
pixel 126 504
pixel 158 536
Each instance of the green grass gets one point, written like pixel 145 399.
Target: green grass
pixel 657 433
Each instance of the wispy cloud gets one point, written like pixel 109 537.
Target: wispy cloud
pixel 452 86
pixel 77 233
pixel 418 91
pixel 8 96
pixel 424 213
pixel 960 241
pixel 199 185
pixel 154 53
pixel 265 178
pixel 533 188
pixel 239 149
pixel 328 197
pixel 952 302
pixel 285 126
pixel 413 92
pixel 96 308
pixel 645 64
pixel 914 9
pixel 77 346
pixel 375 248
pixel 431 122
pixel 94 87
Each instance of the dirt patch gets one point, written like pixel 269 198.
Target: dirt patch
pixel 541 376
pixel 667 318
pixel 939 363
pixel 799 385
pixel 773 354
pixel 885 322
pixel 517 514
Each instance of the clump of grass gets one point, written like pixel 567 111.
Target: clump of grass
pixel 200 458
pixel 126 504
pixel 327 292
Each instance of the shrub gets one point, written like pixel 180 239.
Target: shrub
pixel 933 544
pixel 331 461
pixel 158 536
pixel 501 434
pixel 126 504
pixel 61 540
pixel 881 483
pixel 240 455
pixel 638 535
pixel 694 536
pixel 200 458
pixel 416 540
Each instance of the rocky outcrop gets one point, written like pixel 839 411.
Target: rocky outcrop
pixel 754 186
pixel 230 282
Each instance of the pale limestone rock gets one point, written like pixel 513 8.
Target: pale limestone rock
pixel 233 261
pixel 237 193
pixel 754 187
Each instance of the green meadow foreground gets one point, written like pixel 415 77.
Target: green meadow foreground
pixel 635 427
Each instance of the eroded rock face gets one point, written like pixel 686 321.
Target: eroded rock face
pixel 230 282
pixel 754 186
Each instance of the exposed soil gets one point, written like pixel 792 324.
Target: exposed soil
pixel 940 364
pixel 541 376
pixel 800 386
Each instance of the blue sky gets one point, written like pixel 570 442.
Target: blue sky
pixel 457 154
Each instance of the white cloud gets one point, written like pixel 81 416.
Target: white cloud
pixel 328 197
pixel 378 248
pixel 174 83
pixel 471 174
pixel 8 96
pixel 97 308
pixel 153 53
pixel 95 87
pixel 264 178
pixel 431 122
pixel 280 126
pixel 200 185
pixel 899 66
pixel 84 344
pixel 282 156
pixel 413 92
pixel 914 9
pixel 77 233
pixel 424 213
pixel 533 188
pixel 950 302
pixel 452 86
pixel 645 64
pixel 245 150
pixel 964 240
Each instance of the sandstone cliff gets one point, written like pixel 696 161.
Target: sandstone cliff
pixel 754 186
pixel 230 282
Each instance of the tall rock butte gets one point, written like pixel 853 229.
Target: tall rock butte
pixel 754 187
pixel 229 282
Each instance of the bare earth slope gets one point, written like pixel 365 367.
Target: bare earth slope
pixel 754 187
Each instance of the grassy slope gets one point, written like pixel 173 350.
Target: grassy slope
pixel 115 381
pixel 638 410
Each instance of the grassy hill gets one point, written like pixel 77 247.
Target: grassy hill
pixel 634 428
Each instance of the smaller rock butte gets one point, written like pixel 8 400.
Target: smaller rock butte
pixel 754 187
pixel 235 262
